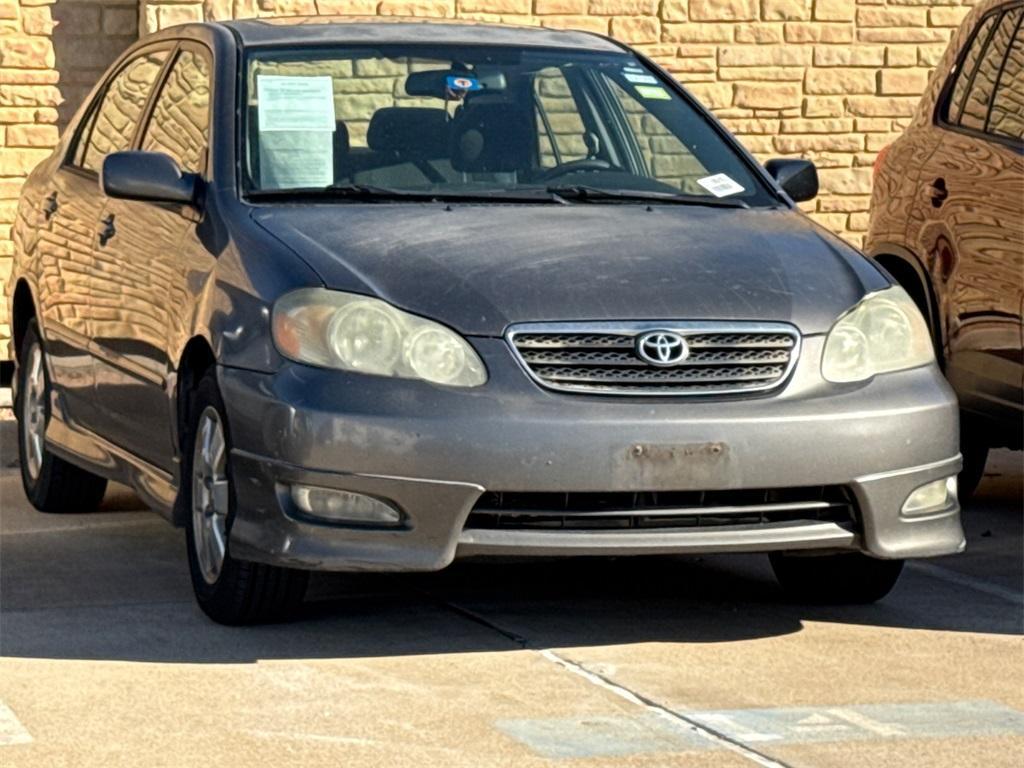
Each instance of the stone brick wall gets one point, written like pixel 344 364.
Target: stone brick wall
pixel 830 80
pixel 51 54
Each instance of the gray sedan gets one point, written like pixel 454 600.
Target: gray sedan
pixel 370 297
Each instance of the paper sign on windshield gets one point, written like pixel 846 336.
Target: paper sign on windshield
pixel 289 103
pixel 296 131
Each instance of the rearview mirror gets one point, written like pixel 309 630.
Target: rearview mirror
pixel 798 178
pixel 442 83
pixel 149 176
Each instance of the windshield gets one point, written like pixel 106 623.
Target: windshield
pixel 478 121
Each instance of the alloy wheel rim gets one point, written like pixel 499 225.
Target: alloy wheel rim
pixel 210 494
pixel 33 413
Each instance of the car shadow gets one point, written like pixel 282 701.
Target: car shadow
pixel 118 589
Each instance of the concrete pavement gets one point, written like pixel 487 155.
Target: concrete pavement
pixel 105 660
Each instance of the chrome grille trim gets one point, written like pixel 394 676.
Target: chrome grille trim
pixel 726 358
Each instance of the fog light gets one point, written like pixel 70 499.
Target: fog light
pixel 933 497
pixel 343 506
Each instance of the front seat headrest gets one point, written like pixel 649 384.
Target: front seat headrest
pixel 420 132
pixel 492 137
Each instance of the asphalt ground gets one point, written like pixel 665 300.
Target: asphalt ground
pixel 697 661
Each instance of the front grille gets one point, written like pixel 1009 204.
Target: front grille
pixel 662 509
pixel 603 359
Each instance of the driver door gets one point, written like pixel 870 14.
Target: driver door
pixel 145 240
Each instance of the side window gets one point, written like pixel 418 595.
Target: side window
pixel 559 124
pixel 976 107
pixel 82 140
pixel 970 63
pixel 1007 117
pixel 180 122
pixel 114 123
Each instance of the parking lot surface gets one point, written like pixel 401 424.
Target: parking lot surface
pixel 694 661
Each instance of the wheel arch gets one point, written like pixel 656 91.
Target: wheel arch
pixel 907 270
pixel 23 310
pixel 196 359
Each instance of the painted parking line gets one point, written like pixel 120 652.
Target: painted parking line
pixel 619 736
pixel 11 730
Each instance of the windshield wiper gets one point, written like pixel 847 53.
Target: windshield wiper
pixel 369 193
pixel 338 191
pixel 585 194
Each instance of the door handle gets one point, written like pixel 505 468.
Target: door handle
pixel 50 206
pixel 938 192
pixel 108 230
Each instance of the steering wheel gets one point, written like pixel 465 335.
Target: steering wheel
pixel 575 166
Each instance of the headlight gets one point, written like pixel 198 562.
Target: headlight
pixel 359 333
pixel 885 332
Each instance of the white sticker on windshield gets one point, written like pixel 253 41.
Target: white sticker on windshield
pixel 634 77
pixel 288 103
pixel 720 185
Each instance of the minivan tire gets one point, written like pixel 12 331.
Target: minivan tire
pixel 974 447
pixel 239 591
pixel 848 578
pixel 51 484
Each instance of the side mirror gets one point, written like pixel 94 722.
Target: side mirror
pixel 149 176
pixel 798 178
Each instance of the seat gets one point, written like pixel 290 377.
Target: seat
pixel 492 137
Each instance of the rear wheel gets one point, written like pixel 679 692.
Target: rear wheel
pixel 51 483
pixel 229 591
pixel 836 579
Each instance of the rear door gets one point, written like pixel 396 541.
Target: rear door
pixel 972 198
pixel 75 288
pixel 134 360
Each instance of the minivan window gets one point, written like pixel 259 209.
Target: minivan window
pixel 479 120
pixel 976 107
pixel 118 115
pixel 180 123
pixel 1007 117
pixel 968 67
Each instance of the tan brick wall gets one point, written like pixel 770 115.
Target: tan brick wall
pixel 51 54
pixel 830 80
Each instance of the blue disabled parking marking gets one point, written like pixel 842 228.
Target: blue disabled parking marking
pixel 802 725
pixel 598 736
pixel 760 729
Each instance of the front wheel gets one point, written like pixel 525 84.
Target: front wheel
pixel 835 579
pixel 228 590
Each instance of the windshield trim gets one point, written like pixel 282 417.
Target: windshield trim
pixel 248 52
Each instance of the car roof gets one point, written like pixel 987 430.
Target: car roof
pixel 305 30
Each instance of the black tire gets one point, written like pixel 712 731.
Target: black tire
pixel 243 592
pixel 835 579
pixel 974 447
pixel 57 485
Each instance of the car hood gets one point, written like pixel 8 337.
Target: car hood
pixel 480 268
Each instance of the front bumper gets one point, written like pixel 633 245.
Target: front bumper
pixel 433 452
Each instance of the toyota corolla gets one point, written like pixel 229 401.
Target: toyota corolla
pixel 374 296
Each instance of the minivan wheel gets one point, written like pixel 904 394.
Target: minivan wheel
pixel 835 579
pixel 51 483
pixel 229 591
